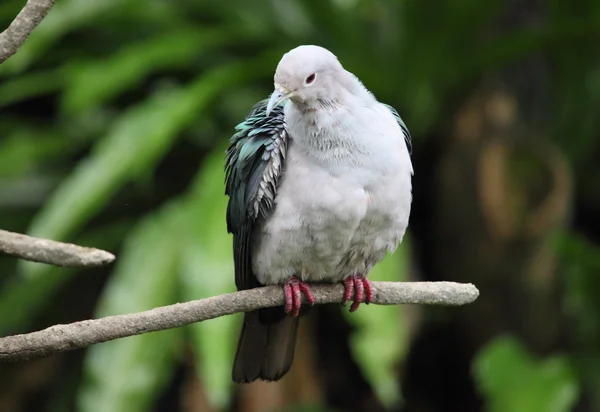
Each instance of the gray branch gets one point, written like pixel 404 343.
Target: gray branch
pixel 51 252
pixel 28 19
pixel 60 338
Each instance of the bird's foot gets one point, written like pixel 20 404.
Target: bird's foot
pixel 293 290
pixel 359 286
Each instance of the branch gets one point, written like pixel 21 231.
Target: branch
pixel 60 338
pixel 28 19
pixel 52 252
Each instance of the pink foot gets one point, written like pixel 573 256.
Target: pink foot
pixel 360 287
pixel 293 290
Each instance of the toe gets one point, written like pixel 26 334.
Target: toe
pixel 368 290
pixel 354 306
pixel 297 296
pixel 359 291
pixel 348 288
pixel 307 293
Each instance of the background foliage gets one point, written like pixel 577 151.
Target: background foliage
pixel 113 122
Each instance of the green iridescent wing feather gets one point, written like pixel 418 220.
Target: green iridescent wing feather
pixel 254 163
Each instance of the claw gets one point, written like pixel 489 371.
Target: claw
pixel 359 286
pixel 293 290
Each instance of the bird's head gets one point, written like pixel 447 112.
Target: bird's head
pixel 306 75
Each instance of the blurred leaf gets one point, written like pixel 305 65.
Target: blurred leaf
pixel 581 265
pixel 29 86
pixel 22 151
pixel 128 374
pixel 93 82
pixel 24 298
pixel 512 381
pixel 380 340
pixel 64 16
pixel 578 250
pixel 292 17
pixel 133 146
pixel 208 271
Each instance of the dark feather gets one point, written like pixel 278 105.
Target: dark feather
pixel 265 349
pixel 407 136
pixel 254 163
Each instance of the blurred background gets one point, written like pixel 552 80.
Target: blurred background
pixel 114 118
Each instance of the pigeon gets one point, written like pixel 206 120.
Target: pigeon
pixel 319 184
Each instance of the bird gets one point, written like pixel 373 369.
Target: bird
pixel 319 179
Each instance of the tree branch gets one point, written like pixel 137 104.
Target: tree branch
pixel 60 338
pixel 52 252
pixel 28 19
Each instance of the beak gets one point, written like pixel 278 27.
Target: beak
pixel 277 97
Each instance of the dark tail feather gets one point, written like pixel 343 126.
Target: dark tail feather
pixel 266 349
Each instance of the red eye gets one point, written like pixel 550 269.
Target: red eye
pixel 311 78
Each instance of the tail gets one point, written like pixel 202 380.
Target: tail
pixel 266 347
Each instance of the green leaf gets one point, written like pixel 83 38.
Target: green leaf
pixel 133 147
pixel 380 341
pixel 93 82
pixel 24 298
pixel 23 150
pixel 128 374
pixel 29 86
pixel 513 381
pixel 64 16
pixel 581 263
pixel 207 270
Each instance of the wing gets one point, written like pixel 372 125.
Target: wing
pixel 254 162
pixel 407 136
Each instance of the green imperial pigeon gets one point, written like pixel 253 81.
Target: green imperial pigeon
pixel 319 184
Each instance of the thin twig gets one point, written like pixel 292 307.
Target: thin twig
pixel 60 338
pixel 52 252
pixel 28 19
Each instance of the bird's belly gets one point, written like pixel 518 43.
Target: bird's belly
pixel 326 227
pixel 310 230
pixel 381 230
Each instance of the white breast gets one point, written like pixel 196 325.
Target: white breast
pixel 343 201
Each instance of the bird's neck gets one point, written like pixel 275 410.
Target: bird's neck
pixel 325 132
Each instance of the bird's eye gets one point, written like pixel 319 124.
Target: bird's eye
pixel 310 78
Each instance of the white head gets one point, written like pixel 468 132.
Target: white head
pixel 307 75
